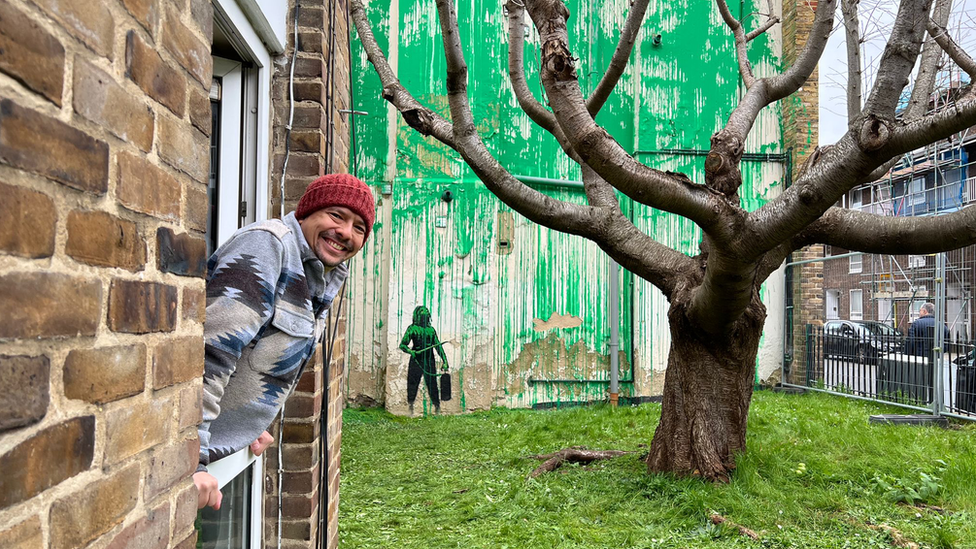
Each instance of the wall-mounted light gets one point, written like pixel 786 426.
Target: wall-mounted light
pixel 656 40
pixel 447 196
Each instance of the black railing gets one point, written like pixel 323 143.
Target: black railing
pixel 882 364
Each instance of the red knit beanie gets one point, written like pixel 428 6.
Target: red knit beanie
pixel 338 189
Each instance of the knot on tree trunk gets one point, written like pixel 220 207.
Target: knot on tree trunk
pixel 722 163
pixel 419 120
pixel 558 60
pixel 874 133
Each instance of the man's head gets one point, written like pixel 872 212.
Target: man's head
pixel 928 309
pixel 336 214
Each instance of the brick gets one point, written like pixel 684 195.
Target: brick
pixel 300 482
pixel 197 207
pixel 24 535
pixel 310 67
pixel 201 111
pixel 34 305
pixel 298 506
pixel 310 42
pixel 194 304
pixel 90 22
pixel 25 383
pixel 46 459
pixel 189 543
pixel 100 99
pixel 185 512
pixel 308 141
pixel 46 146
pixel 146 12
pixel 181 254
pixel 184 147
pixel 311 380
pixel 310 16
pixel 30 54
pixel 191 52
pixel 149 532
pixel 101 239
pixel 191 406
pixel 89 513
pixel 27 222
pixel 171 464
pixel 296 457
pixel 105 374
pixel 177 360
pixel 146 188
pixel 303 406
pixel 300 432
pixel 202 12
pixel 141 307
pixel 310 91
pixel 136 428
pixel 153 75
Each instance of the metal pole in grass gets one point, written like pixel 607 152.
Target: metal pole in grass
pixel 939 344
pixel 614 333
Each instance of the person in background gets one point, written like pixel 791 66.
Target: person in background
pixel 921 334
pixel 269 290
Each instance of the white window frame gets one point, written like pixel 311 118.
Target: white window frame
pixel 916 191
pixel 227 469
pixel 916 261
pixel 856 262
pixel 857 199
pixel 857 296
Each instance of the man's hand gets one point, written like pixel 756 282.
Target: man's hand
pixel 208 490
pixel 263 441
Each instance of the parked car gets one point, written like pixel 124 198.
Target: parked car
pixel 860 340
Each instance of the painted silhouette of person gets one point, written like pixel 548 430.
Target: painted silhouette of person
pixel 424 342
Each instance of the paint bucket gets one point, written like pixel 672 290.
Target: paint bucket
pixel 445 387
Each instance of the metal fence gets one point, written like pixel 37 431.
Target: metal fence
pixel 854 329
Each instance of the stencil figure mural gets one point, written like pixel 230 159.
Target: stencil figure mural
pixel 423 341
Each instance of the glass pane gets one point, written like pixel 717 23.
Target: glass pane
pixel 228 528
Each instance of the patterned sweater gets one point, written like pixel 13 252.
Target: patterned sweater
pixel 267 299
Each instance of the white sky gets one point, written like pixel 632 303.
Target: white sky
pixel 875 17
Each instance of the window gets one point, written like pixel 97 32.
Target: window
pixel 856 263
pixel 917 191
pixel 857 305
pixel 857 199
pixel 238 523
pixel 916 261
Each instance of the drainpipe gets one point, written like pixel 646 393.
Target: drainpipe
pixel 614 332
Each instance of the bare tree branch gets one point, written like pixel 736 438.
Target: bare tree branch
pixel 771 20
pixel 419 117
pixel 462 137
pixel 516 68
pixel 853 41
pixel 956 53
pixel 741 51
pixel 769 90
pixel 896 66
pixel 872 233
pixel 668 192
pixel 628 36
pixel 939 125
pixel 918 105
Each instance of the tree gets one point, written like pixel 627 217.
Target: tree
pixel 715 312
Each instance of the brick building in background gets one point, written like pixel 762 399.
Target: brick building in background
pixel 136 135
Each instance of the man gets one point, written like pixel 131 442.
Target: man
pixel 921 334
pixel 269 291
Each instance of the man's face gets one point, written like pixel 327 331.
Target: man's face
pixel 335 233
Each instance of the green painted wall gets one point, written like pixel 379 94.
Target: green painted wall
pixel 488 305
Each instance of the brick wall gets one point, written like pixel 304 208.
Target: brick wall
pixel 800 130
pixel 103 159
pixel 320 133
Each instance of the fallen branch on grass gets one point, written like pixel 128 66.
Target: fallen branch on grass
pixel 574 455
pixel 897 539
pixel 719 519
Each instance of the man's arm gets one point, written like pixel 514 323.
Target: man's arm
pixel 406 340
pixel 240 301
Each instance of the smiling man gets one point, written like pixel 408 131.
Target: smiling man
pixel 269 290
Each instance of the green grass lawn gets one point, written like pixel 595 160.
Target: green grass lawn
pixel 460 481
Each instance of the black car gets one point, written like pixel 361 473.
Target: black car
pixel 860 340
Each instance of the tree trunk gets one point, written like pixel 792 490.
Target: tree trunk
pixel 707 389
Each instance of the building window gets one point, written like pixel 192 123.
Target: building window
pixel 916 261
pixel 856 263
pixel 239 522
pixel 857 199
pixel 857 305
